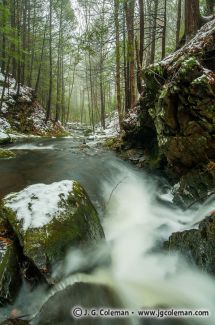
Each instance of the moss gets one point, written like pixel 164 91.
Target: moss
pixel 6 154
pixel 10 279
pixel 77 225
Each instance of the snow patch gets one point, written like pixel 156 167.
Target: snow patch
pixel 38 204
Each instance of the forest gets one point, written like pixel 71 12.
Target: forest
pixel 84 58
pixel 107 162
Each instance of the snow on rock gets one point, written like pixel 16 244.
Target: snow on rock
pixel 38 204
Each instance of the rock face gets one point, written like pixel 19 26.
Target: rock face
pixel 10 278
pixel 58 309
pixel 176 113
pixel 197 245
pixel 49 219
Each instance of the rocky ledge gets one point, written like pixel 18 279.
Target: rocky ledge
pixel 197 245
pixel 174 120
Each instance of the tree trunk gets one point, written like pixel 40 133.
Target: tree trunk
pixel 178 25
pixel 164 31
pixel 129 13
pixel 192 18
pixel 152 59
pixel 140 47
pixel 50 64
pixel 118 74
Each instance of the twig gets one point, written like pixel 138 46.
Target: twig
pixel 113 190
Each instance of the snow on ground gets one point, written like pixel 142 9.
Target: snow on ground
pixel 38 204
pixel 35 113
pixel 11 90
pixel 112 128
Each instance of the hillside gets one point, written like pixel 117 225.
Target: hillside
pixel 23 114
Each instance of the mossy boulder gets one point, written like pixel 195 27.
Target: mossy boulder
pixel 50 219
pixel 6 154
pixel 197 245
pixel 10 279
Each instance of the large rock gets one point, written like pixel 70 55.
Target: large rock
pixel 197 245
pixel 176 111
pixel 50 219
pixel 58 309
pixel 10 278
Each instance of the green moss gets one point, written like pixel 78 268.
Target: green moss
pixel 78 224
pixel 6 154
pixel 188 65
pixel 10 279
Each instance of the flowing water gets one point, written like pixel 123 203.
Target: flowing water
pixel 137 217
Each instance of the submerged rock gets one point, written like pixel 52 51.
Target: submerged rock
pixel 197 245
pixel 10 278
pixel 50 219
pixel 58 309
pixel 6 154
pixel 15 322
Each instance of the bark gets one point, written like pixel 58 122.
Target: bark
pixel 152 60
pixel 192 18
pixel 178 25
pixel 118 74
pixel 50 64
pixel 164 31
pixel 129 13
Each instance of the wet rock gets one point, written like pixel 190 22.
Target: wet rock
pixel 197 245
pixel 10 278
pixel 58 309
pixel 4 137
pixel 195 186
pixel 6 154
pixel 175 116
pixel 15 322
pixel 50 219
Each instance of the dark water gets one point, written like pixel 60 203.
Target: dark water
pixel 51 160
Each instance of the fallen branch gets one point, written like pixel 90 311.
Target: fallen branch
pixel 113 190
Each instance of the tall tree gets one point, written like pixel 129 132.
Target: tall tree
pixel 118 73
pixel 178 24
pixel 48 112
pixel 192 18
pixel 154 28
pixel 129 13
